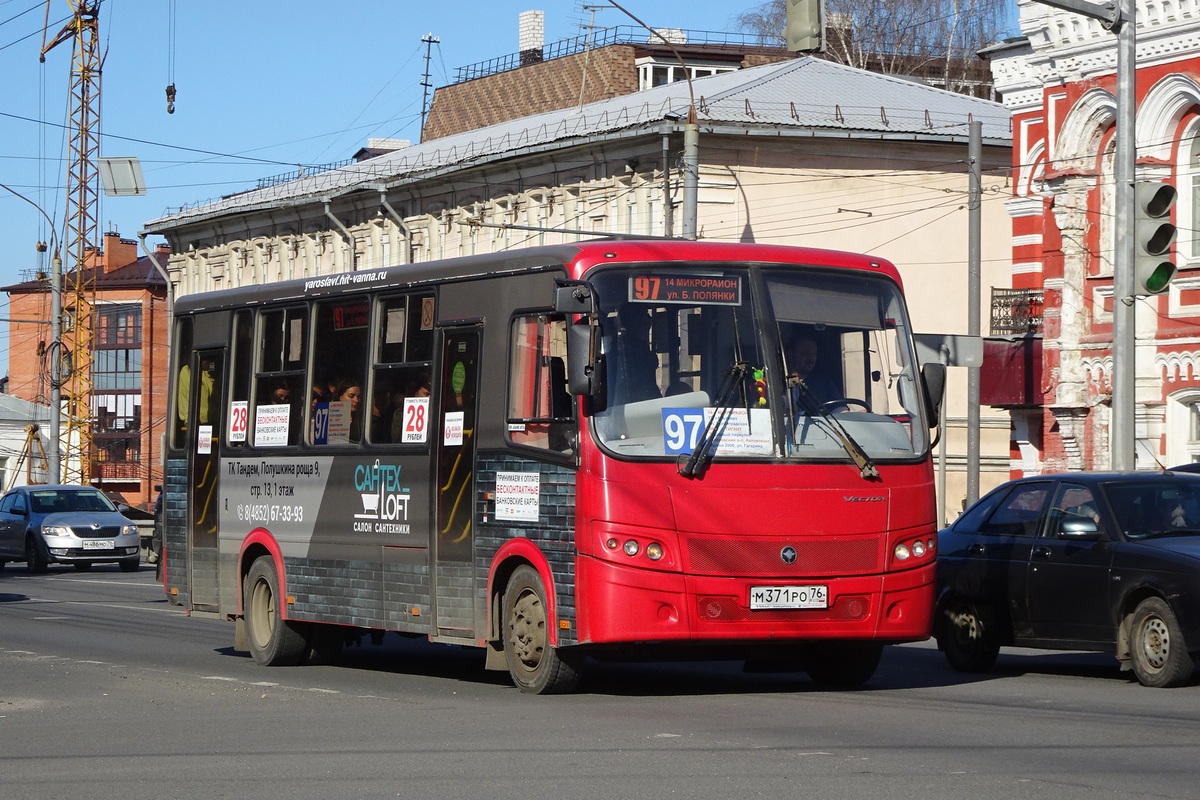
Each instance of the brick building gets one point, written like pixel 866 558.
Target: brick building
pixel 129 359
pixel 1060 83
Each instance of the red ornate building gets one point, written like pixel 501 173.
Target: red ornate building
pixel 1059 81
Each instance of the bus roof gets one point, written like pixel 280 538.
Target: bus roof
pixel 577 258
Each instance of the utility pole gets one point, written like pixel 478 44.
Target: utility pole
pixel 974 268
pixel 691 138
pixel 54 351
pixel 429 40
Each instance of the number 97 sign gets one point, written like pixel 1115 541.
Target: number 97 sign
pixel 682 429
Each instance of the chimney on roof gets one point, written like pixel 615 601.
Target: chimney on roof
pixel 531 36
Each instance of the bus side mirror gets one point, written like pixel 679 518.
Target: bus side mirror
pixel 585 365
pixel 933 375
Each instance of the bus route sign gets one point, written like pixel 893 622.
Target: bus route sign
pixel 721 290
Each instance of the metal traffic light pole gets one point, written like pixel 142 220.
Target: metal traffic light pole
pixel 1118 16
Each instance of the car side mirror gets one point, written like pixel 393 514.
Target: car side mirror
pixel 1078 529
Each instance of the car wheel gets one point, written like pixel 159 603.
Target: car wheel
pixel 536 667
pixel 843 664
pixel 1160 656
pixel 130 564
pixel 274 641
pixel 35 557
pixel 81 566
pixel 965 639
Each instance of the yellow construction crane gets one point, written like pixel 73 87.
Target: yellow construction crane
pixel 81 251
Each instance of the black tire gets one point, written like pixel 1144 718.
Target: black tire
pixel 35 557
pixel 274 642
pixel 324 643
pixel 1158 653
pixel 964 638
pixel 842 665
pixel 130 564
pixel 535 666
pixel 81 566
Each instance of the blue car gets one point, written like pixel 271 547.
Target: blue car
pixel 68 524
pixel 1078 561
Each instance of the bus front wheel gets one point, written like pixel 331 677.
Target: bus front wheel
pixel 274 642
pixel 843 665
pixel 536 667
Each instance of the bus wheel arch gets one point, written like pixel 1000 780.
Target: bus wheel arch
pixel 271 638
pixel 536 665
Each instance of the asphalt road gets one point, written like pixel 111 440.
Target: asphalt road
pixel 108 692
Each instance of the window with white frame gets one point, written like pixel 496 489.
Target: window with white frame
pixel 653 73
pixel 1187 173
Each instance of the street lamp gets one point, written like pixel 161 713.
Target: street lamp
pixel 54 468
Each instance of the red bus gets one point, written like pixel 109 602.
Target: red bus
pixel 613 449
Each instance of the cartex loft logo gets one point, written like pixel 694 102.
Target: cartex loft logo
pixel 383 496
pixel 857 498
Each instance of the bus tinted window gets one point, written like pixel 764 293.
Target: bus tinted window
pixel 404 357
pixel 540 410
pixel 340 350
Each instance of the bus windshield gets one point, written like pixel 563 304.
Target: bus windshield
pixel 767 363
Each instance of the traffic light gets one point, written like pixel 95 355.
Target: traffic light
pixel 805 29
pixel 1153 235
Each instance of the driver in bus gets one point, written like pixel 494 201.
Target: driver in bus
pixel 636 375
pixel 808 387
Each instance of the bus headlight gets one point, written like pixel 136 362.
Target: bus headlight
pixel 654 551
pixel 631 548
pixel 902 552
pixel 918 548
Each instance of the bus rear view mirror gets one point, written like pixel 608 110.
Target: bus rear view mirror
pixel 585 366
pixel 574 298
pixel 933 375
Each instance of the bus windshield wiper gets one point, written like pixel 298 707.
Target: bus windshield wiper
pixel 693 465
pixel 863 461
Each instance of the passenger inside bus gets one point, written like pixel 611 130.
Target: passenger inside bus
pixel 350 391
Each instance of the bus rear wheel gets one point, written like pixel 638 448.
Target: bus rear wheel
pixel 274 642
pixel 536 667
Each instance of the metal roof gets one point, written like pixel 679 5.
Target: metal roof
pixel 806 96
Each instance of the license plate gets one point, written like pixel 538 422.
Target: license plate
pixel 763 597
pixel 97 544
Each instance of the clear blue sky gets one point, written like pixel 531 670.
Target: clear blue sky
pixel 262 87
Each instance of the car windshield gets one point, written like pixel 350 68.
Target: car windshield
pixel 53 502
pixel 1156 508
pixel 821 368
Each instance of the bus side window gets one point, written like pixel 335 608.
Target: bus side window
pixel 402 365
pixel 540 411
pixel 183 376
pixel 340 344
pixel 278 378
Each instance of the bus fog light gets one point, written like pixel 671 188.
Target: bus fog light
pixel 918 548
pixel 654 551
pixel 901 552
pixel 612 544
pixel 631 548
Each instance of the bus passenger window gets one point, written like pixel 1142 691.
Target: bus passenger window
pixel 340 344
pixel 403 342
pixel 540 411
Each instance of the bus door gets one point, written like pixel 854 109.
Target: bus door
pixel 205 389
pixel 454 572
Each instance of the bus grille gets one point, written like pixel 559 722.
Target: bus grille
pixel 742 556
pixel 727 609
